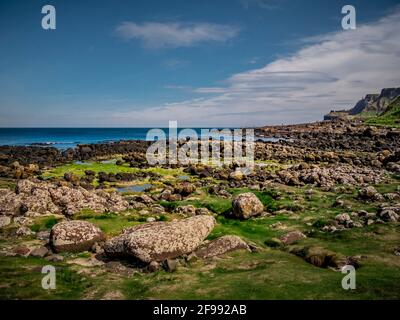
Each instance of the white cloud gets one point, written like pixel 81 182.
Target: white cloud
pixel 332 72
pixel 174 34
pixel 263 4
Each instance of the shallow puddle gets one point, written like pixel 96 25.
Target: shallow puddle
pixel 135 188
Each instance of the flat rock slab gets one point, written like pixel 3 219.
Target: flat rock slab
pixel 221 246
pixel 159 241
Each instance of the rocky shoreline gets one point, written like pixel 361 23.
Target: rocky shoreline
pixel 322 178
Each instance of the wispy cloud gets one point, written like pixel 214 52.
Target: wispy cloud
pixel 175 34
pixel 174 64
pixel 263 4
pixel 333 71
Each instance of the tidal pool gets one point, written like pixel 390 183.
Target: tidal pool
pixel 135 188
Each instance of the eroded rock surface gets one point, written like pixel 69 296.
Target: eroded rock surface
pixel 38 197
pixel 221 246
pixel 74 236
pixel 159 241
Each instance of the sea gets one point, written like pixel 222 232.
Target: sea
pixel 64 138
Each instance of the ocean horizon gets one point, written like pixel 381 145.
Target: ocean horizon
pixel 64 138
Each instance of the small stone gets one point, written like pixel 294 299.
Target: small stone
pixel 40 252
pixel 97 248
pixel 369 222
pixel 24 231
pixel 388 215
pixel 362 213
pixel 83 262
pixel 191 257
pixel 203 211
pixel 144 212
pixel 4 221
pixel 339 203
pixel 236 175
pixel 292 237
pixel 54 258
pixel 150 219
pixel 43 235
pixel 342 218
pixel 171 265
pixel 187 211
pixel 367 193
pixel 22 251
pixel 153 266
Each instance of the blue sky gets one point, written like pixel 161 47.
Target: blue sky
pixel 203 63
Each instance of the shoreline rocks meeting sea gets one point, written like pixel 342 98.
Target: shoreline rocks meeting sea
pixel 322 196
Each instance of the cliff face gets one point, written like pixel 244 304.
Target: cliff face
pixel 364 104
pixel 376 103
pixel 372 103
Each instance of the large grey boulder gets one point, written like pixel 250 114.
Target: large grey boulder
pixel 74 236
pixel 159 241
pixel 246 205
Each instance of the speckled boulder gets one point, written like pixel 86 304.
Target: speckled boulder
pixel 246 205
pixel 221 246
pixel 74 236
pixel 159 241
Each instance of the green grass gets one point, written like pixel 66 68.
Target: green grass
pixel 20 278
pixel 6 183
pixel 255 230
pixel 272 274
pixel 79 169
pixel 109 223
pixel 214 204
pixel 45 223
pixel 391 116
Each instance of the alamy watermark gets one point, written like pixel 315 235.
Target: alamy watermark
pixel 49 280
pixel 349 280
pixel 188 147
pixel 349 20
pixel 49 20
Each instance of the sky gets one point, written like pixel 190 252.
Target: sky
pixel 225 63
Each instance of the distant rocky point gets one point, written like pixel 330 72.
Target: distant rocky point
pixel 370 105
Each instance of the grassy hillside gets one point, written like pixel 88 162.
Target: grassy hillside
pixel 391 117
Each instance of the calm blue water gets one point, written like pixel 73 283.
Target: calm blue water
pixel 64 138
pixel 68 137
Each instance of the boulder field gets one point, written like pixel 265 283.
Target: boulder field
pixel 32 198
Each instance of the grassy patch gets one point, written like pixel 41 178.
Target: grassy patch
pixel 20 278
pixel 109 223
pixel 80 168
pixel 214 204
pixel 45 223
pixel 391 117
